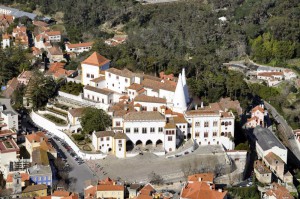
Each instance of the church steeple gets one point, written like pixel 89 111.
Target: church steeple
pixel 185 88
pixel 179 101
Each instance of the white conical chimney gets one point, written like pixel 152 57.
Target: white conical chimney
pixel 179 101
pixel 185 88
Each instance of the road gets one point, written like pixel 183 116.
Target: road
pixel 287 131
pixel 79 172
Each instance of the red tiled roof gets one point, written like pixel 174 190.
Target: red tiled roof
pixel 279 192
pixel 36 137
pixel 259 108
pixel 79 45
pixel 205 177
pixel 202 190
pixel 96 60
pixel 53 33
pixel 145 98
pixel 24 176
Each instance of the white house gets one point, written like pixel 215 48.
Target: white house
pixel 54 36
pixel 92 66
pixel 6 40
pixel 80 47
pixel 210 127
pixel 100 95
pixel 149 103
pixel 257 117
pixel 267 142
pixel 118 80
pixel 8 119
pixel 103 141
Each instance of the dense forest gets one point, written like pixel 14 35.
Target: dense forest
pixel 189 34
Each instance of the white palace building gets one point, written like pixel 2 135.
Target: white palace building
pixel 150 111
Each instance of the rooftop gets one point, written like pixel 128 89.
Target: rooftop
pixel 32 188
pixel 79 45
pixel 202 190
pixel 76 112
pixel 100 134
pixel 203 177
pixel 124 72
pixel 156 85
pixel 103 91
pixel 260 167
pixel 96 60
pixel 272 159
pixel 144 116
pixel 145 98
pixel 279 192
pixel 266 139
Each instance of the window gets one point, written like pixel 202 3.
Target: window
pixel 88 75
pixel 109 75
pixel 205 134
pixel 160 129
pixel 119 149
pixel 136 130
pixel 107 139
pixel 206 124
pixel 152 130
pixel 197 134
pixel 102 139
pixel 197 124
pixel 120 141
pixel 226 123
pixel 102 100
pixel 117 77
pixel 98 99
pixel 144 130
pixel 126 80
pixel 170 138
pixel 118 123
pixel 144 108
pixel 92 76
pixel 215 123
pixel 127 130
pixel 154 108
pixel 214 133
pixel 229 123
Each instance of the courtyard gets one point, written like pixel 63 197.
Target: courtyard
pixel 137 169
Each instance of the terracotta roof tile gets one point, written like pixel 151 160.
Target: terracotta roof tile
pixel 156 85
pixel 96 60
pixel 135 87
pixel 123 73
pixel 79 45
pixel 205 177
pixel 24 177
pixel 145 98
pixel 259 108
pixel 279 192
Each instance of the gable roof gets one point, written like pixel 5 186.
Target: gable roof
pixel 96 60
pixel 79 45
pixel 258 108
pixel 279 192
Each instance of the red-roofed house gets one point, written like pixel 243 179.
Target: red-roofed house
pixel 257 117
pixel 11 176
pixel 92 66
pixel 79 48
pixel 104 189
pixel 57 71
pixel 277 191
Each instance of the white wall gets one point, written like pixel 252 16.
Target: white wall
pixel 89 72
pixel 144 137
pixel 52 128
pixel 120 148
pixel 168 95
pixel 97 97
pixel 117 83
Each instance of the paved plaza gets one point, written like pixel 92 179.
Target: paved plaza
pixel 138 168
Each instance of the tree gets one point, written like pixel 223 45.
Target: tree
pixel 155 179
pixel 41 89
pixel 95 120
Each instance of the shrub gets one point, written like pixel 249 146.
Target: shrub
pixel 86 148
pixel 78 136
pixel 81 142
